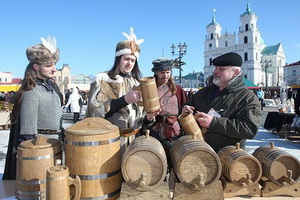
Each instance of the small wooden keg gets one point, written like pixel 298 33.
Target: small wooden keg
pixel 279 166
pixel 34 157
pixel 149 94
pixel 195 162
pixel 58 184
pixel 92 148
pixel 144 164
pixel 190 125
pixel 239 167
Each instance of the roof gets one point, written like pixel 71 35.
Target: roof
pixel 294 64
pixel 213 22
pixel 248 11
pixel 249 83
pixel 193 76
pixel 271 50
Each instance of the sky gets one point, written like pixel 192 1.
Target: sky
pixel 87 31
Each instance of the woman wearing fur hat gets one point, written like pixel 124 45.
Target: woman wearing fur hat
pixel 111 94
pixel 37 101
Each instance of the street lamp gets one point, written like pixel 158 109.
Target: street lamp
pixel 182 48
pixel 266 64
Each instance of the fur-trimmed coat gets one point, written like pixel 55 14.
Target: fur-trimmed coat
pixel 107 94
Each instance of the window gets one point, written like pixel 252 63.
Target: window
pixel 255 39
pixel 226 44
pixel 246 56
pixel 210 61
pixel 246 27
pixel 0 79
pixel 294 72
pixel 245 39
pixel 210 45
pixel 211 36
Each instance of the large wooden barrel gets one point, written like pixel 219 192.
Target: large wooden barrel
pixel 279 166
pixel 92 148
pixel 240 167
pixel 144 164
pixel 195 162
pixel 34 157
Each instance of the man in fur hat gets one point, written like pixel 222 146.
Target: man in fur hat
pixel 226 108
pixel 37 107
pixel 112 95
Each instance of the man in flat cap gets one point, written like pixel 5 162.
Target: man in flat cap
pixel 171 97
pixel 226 108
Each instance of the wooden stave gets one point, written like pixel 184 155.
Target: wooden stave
pixel 94 184
pixel 179 151
pixel 152 145
pixel 30 182
pixel 269 157
pixel 230 157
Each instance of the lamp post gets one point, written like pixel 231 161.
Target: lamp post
pixel 266 64
pixel 182 48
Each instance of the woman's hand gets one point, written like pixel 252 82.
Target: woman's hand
pixel 133 96
pixel 152 115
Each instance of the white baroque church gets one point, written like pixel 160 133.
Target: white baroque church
pixel 262 65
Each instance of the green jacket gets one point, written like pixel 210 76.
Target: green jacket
pixel 239 109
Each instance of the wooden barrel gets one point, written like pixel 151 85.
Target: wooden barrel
pixel 239 167
pixel 149 94
pixel 195 162
pixel 92 148
pixel 144 164
pixel 278 165
pixel 34 157
pixel 58 184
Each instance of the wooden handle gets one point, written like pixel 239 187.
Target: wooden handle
pixel 40 140
pixel 77 184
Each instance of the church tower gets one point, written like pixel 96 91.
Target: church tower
pixel 250 45
pixel 211 43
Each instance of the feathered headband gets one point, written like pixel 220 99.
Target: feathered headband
pixel 129 46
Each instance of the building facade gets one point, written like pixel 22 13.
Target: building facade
pixel 262 65
pixel 292 74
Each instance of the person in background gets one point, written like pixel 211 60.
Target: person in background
pixel 67 96
pixel 290 94
pixel 74 103
pixel 112 95
pixel 37 107
pixel 260 95
pixel 225 107
pixel 297 103
pixel 171 97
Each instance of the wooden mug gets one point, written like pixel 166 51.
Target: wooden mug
pixel 58 184
pixel 190 125
pixel 150 99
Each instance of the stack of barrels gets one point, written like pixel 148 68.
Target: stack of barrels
pixel 95 168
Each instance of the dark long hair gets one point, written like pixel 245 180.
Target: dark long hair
pixel 115 70
pixel 28 83
pixel 171 83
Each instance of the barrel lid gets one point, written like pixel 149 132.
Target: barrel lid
pixel 92 126
pixel 41 142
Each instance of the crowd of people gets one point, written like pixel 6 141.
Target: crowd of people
pixel 225 107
